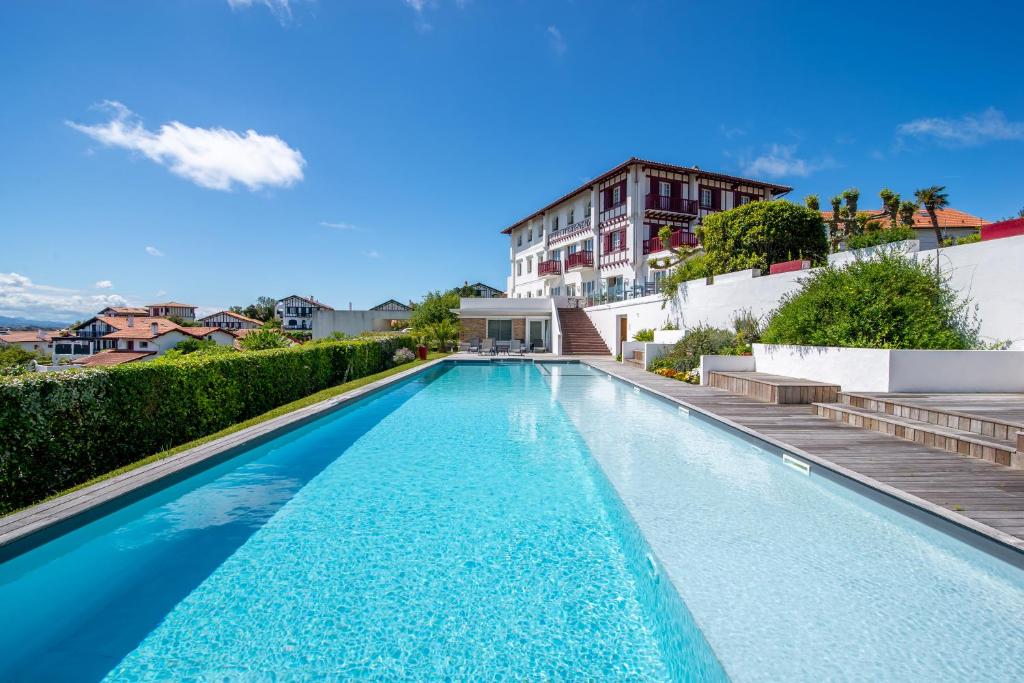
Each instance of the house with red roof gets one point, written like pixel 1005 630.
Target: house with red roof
pixel 229 320
pixel 131 338
pixel 952 222
pixel 296 312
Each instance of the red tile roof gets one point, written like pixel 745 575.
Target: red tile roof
pixel 127 310
pixel 23 336
pixel 948 218
pixel 111 357
pixel 308 300
pixel 142 327
pixel 172 303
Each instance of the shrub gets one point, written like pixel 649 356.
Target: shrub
pixel 701 340
pixel 693 268
pixel 63 428
pixel 888 302
pixel 761 233
pixel 261 340
pixel 403 355
pixel 967 239
pixel 644 335
pixel 874 238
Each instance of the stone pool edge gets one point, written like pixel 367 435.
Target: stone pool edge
pixel 73 509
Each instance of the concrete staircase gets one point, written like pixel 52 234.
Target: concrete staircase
pixel 970 435
pixel 579 336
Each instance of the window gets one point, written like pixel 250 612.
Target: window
pixel 529 264
pixel 556 291
pixel 519 268
pixel 570 290
pixel 588 245
pixel 556 255
pixel 743 199
pixel 665 189
pixel 540 293
pixel 529 234
pixel 573 248
pixel 572 217
pixel 705 198
pixel 519 239
pixel 659 278
pixel 615 241
pixel 590 207
pixel 500 329
pixel 143 344
pixel 588 288
pixel 554 224
pixel 616 195
pixel 529 295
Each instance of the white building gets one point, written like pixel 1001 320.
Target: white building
pixel 124 339
pixel 296 312
pixel 229 320
pixel 596 241
pixel 172 309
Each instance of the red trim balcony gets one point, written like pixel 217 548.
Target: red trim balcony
pixel 656 202
pixel 580 259
pixel 679 238
pixel 550 267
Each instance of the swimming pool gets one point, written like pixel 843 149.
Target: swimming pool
pixel 507 520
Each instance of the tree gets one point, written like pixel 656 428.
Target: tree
pixel 907 211
pixel 811 202
pixel 890 205
pixel 435 307
pixel 933 198
pixel 443 334
pixel 264 309
pixel 759 234
pixel 258 340
pixel 888 302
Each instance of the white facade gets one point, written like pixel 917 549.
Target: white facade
pixel 597 241
pixel 229 320
pixel 296 312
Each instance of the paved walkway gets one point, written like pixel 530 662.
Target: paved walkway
pixel 975 493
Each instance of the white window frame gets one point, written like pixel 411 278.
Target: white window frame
pixel 664 189
pixel 616 195
pixel 519 267
pixel 711 198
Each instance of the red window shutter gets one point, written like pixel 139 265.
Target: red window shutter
pixel 716 198
pixel 622 192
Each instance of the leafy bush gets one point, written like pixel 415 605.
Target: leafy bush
pixel 888 302
pixel 644 335
pixel 693 268
pixel 874 238
pixel 967 239
pixel 761 233
pixel 261 340
pixel 63 428
pixel 748 330
pixel 701 340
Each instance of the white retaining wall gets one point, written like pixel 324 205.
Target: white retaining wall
pixel 325 323
pixel 724 364
pixel 990 273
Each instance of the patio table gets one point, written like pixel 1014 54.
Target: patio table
pixel 502 346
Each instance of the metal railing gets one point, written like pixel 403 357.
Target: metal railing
pixel 673 204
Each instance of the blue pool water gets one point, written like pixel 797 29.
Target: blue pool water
pixel 508 521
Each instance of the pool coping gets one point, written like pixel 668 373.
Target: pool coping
pixel 35 525
pixel 988 539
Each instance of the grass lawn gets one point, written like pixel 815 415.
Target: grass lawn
pixel 276 412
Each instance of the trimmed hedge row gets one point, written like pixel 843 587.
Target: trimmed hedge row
pixel 59 429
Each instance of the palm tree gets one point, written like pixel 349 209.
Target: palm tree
pixel 933 198
pixel 811 202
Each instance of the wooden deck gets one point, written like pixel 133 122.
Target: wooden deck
pixel 973 493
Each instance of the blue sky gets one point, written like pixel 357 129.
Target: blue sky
pixel 211 151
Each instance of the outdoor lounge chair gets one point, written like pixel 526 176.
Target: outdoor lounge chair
pixel 474 345
pixel 487 347
pixel 539 348
pixel 517 346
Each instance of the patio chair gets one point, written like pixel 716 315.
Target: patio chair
pixel 539 348
pixel 487 347
pixel 516 347
pixel 463 347
pixel 474 345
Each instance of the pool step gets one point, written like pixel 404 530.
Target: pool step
pixel 965 418
pixel 951 439
pixel 767 388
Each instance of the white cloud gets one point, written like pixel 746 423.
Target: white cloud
pixel 281 8
pixel 19 296
pixel 153 251
pixel 968 130
pixel 556 40
pixel 338 226
pixel 419 6
pixel 373 253
pixel 103 284
pixel 214 158
pixel 781 161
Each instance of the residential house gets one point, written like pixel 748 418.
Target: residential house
pixel 124 311
pixel 596 241
pixel 135 338
pixel 952 223
pixel 229 320
pixel 33 341
pixel 296 312
pixel 172 309
pixel 482 291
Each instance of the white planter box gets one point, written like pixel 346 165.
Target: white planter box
pixel 888 370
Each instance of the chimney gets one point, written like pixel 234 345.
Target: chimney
pixel 350 305
pixel 154 328
pixel 131 321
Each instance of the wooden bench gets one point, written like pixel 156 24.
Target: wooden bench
pixel 774 388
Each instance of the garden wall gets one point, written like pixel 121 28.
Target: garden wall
pixel 987 272
pixel 61 429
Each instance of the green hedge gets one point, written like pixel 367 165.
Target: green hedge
pixel 59 429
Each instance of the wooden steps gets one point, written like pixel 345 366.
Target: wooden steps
pixel 975 436
pixel 773 388
pixel 579 336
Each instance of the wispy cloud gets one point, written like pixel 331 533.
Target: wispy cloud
pixel 373 253
pixel 556 40
pixel 730 133
pixel 153 251
pixel 781 161
pixel 966 131
pixel 214 158
pixel 419 6
pixel 338 226
pixel 281 8
pixel 20 296
pixel 103 284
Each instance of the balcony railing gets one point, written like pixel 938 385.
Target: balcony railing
pixel 580 259
pixel 570 229
pixel 672 204
pixel 550 267
pixel 679 238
